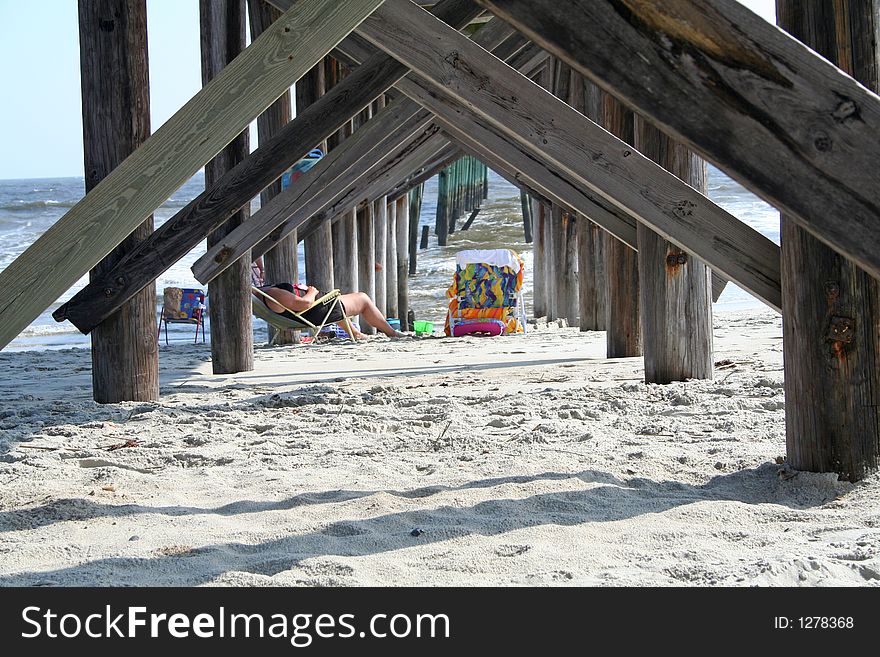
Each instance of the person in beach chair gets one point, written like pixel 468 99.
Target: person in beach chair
pixel 297 306
pixel 485 297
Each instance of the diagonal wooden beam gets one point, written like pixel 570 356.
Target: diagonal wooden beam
pixel 446 65
pixel 182 232
pixel 197 132
pixel 770 112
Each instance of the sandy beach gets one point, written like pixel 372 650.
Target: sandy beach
pixel 522 460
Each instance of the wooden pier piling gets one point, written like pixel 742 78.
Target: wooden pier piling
pixel 675 302
pixel 116 120
pixel 622 323
pixel 415 213
pixel 229 295
pixel 403 242
pixel 390 266
pixel 831 307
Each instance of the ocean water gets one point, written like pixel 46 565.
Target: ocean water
pixel 29 207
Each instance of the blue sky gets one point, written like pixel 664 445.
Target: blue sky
pixel 39 51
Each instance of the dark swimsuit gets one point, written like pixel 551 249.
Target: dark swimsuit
pixel 315 314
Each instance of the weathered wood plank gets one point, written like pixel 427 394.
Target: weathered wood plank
pixel 451 66
pixel 772 114
pixel 196 133
pixel 116 120
pixel 831 318
pixel 589 291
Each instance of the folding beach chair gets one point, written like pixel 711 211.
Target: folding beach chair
pixel 486 297
pixel 326 303
pixel 182 306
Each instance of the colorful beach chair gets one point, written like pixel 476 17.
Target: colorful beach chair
pixel 182 306
pixel 485 297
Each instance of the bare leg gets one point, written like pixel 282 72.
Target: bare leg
pixel 359 303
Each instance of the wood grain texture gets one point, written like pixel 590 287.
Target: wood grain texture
pixel 453 67
pixel 767 110
pixel 831 318
pixel 150 175
pixel 675 301
pixel 116 120
pixel 622 319
pixel 222 31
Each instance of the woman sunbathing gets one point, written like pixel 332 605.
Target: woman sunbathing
pixel 299 298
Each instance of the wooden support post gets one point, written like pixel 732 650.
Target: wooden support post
pixel 280 263
pixel 402 241
pixel 229 295
pixel 563 272
pixel 831 307
pixel 116 120
pixel 539 265
pixel 366 256
pixel 317 247
pixel 526 215
pixel 345 252
pixel 563 263
pixel 442 225
pixel 189 226
pixel 381 219
pixel 675 302
pixel 588 289
pixel 391 278
pixel 415 213
pixel 622 324
pixel 423 244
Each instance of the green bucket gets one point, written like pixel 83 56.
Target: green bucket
pixel 422 327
